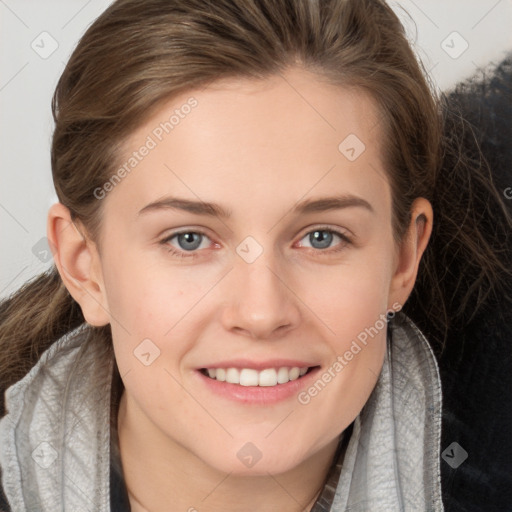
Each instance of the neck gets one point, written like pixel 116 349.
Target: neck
pixel 159 471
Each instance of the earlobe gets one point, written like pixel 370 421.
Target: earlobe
pixel 411 250
pixel 78 263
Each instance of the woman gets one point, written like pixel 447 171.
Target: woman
pixel 269 367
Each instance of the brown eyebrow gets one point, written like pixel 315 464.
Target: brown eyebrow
pixel 215 210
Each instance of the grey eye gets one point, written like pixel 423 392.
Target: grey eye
pixel 189 241
pixel 321 238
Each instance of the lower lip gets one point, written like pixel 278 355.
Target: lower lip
pixel 258 395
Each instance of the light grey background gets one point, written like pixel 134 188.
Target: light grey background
pixel 30 29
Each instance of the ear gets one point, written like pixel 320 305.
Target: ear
pixel 411 250
pixel 79 265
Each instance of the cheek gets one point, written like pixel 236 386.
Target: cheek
pixel 349 297
pixel 357 338
pixel 148 297
pixel 157 303
pixel 361 301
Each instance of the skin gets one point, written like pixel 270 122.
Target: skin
pixel 256 148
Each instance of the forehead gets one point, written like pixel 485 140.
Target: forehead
pixel 284 136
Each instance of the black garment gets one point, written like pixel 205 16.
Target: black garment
pixel 4 507
pixel 119 501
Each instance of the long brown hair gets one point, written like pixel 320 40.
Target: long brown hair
pixel 137 55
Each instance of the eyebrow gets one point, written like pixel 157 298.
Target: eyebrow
pixel 216 210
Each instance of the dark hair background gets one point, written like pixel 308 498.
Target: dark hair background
pixel 476 365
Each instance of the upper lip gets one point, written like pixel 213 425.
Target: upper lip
pixel 260 365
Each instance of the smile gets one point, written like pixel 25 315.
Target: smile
pixel 267 377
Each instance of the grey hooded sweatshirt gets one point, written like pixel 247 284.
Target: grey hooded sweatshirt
pixel 55 438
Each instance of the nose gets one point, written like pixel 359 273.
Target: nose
pixel 261 303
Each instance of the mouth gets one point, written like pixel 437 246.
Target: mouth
pixel 250 377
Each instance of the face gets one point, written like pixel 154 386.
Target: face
pixel 290 270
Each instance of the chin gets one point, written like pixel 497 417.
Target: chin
pixel 254 459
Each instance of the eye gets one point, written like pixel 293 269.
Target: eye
pixel 321 238
pixel 188 242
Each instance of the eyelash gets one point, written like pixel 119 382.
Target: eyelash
pixel 193 254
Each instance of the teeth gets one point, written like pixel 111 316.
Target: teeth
pixel 233 376
pixel 294 373
pixel 250 377
pixel 267 377
pixel 283 375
